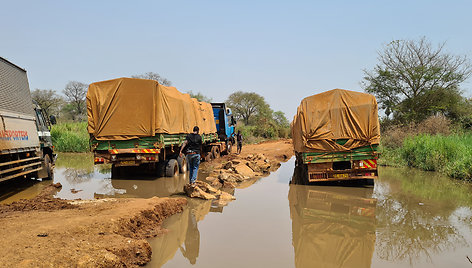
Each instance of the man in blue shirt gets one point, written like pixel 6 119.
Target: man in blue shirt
pixel 194 148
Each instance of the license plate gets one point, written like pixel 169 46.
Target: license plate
pixel 342 175
pixel 127 163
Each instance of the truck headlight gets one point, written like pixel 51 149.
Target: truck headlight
pixel 138 157
pixel 113 157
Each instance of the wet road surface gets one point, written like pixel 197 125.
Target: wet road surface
pixel 409 219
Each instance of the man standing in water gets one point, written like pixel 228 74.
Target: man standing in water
pixel 239 140
pixel 194 147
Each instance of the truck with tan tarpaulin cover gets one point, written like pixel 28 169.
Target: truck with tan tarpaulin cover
pixel 26 149
pixel 139 122
pixel 336 136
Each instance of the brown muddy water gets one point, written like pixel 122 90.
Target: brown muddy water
pixel 409 219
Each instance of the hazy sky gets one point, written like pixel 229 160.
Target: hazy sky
pixel 283 50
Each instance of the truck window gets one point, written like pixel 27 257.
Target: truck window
pixel 39 117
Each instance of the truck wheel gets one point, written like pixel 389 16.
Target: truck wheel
pixel 182 161
pixel 229 146
pixel 215 151
pixel 172 168
pixel 207 156
pixel 48 166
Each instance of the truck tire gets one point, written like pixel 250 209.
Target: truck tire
pixel 207 156
pixel 48 167
pixel 172 168
pixel 182 161
pixel 229 146
pixel 215 151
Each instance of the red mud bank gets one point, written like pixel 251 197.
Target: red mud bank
pixel 48 232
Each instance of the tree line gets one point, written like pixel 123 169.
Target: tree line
pixel 412 81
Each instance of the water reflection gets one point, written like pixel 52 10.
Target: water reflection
pixel 332 226
pixel 414 213
pixel 81 179
pixel 183 234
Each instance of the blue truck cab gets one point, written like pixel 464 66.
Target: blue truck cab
pixel 225 123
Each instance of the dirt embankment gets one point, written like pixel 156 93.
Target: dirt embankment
pixel 48 232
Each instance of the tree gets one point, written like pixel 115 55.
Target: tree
pixel 199 96
pixel 75 93
pixel 154 76
pixel 280 119
pixel 48 100
pixel 248 105
pixel 414 80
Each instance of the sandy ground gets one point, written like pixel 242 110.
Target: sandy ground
pixel 48 232
pixel 276 150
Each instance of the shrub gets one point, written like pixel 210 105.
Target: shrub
pixel 394 136
pixel 451 155
pixel 70 137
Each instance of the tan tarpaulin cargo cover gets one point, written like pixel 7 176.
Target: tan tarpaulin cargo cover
pixel 323 118
pixel 128 108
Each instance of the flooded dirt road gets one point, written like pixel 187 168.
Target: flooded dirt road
pixel 409 219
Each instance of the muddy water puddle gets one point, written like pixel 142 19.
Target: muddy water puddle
pixel 409 219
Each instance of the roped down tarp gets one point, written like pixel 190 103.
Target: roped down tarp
pixel 323 118
pixel 128 108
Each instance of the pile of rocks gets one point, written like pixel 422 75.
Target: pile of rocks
pixel 229 174
pixel 232 172
pixel 205 191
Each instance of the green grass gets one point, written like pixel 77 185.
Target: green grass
pixel 70 137
pixel 450 155
pixel 391 157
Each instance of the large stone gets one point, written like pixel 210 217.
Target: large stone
pixel 223 176
pixel 207 188
pixel 229 185
pixel 235 162
pixel 240 178
pixel 264 167
pixel 196 192
pixel 217 184
pixel 231 179
pixel 252 165
pixel 228 165
pixel 224 196
pixel 244 170
pixel 274 165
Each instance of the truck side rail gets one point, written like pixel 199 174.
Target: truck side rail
pixel 32 164
pixel 362 153
pixel 155 142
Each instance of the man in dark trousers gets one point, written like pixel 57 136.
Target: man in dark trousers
pixel 194 148
pixel 239 140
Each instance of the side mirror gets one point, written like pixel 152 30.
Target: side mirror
pixel 52 119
